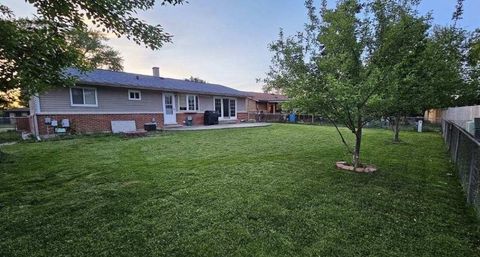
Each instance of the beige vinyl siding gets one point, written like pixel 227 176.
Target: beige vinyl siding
pixel 109 99
pixel 115 100
pixel 205 103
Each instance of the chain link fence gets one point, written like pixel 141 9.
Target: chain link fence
pixel 407 123
pixel 464 150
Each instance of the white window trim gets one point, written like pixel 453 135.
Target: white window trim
pixel 195 104
pixel 221 114
pixel 134 91
pixel 84 105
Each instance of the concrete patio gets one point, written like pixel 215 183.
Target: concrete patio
pixel 219 126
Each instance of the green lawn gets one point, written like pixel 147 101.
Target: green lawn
pixel 9 136
pixel 269 191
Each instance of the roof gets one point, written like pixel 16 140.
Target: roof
pixel 19 109
pixel 267 97
pixel 131 80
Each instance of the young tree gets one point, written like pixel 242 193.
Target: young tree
pixel 35 52
pixel 329 68
pixel 323 70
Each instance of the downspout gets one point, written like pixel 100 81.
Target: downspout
pixel 35 110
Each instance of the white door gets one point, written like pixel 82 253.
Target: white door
pixel 226 108
pixel 169 115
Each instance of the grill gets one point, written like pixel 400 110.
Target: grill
pixel 210 118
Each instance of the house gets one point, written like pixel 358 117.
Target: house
pixel 265 102
pixel 103 96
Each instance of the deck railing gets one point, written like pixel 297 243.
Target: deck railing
pixel 464 150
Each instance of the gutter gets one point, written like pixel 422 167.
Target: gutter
pixel 80 82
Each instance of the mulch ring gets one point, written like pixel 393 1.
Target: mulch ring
pixel 342 165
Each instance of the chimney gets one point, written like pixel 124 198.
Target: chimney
pixel 156 71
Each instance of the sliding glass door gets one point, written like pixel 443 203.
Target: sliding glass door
pixel 226 107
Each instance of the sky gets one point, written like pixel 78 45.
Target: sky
pixel 225 41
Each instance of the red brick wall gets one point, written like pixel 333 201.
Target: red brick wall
pixel 94 123
pixel 197 118
pixel 242 116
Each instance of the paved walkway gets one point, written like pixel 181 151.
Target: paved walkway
pixel 219 126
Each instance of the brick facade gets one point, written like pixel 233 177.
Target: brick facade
pixel 242 116
pixel 196 117
pixel 96 123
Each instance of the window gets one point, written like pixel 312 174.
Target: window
pixel 134 95
pixel 189 104
pixel 226 107
pixel 232 108
pixel 218 106
pixel 182 103
pixel 80 96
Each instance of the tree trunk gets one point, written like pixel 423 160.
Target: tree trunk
pixel 356 151
pixel 396 130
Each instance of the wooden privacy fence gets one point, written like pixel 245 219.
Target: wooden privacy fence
pixel 15 123
pixel 457 114
pixel 464 150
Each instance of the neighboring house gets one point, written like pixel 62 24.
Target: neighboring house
pixel 16 112
pixel 265 102
pixel 103 96
pixel 15 118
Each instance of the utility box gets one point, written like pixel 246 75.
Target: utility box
pixel 65 123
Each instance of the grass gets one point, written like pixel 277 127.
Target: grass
pixel 268 191
pixel 9 136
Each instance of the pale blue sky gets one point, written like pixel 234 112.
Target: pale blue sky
pixel 225 41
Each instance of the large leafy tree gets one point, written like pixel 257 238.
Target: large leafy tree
pixel 473 67
pixel 35 52
pixel 330 68
pixel 422 70
pixel 96 52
